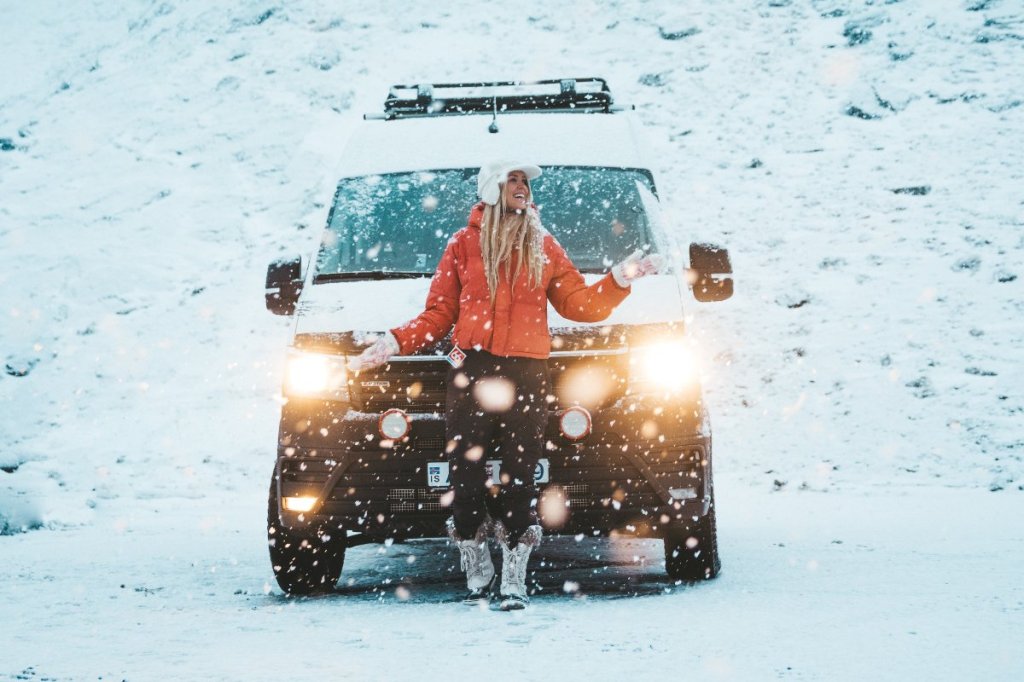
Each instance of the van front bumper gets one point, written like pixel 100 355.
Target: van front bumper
pixel 641 471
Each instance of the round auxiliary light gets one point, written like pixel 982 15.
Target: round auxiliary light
pixel 575 423
pixel 394 424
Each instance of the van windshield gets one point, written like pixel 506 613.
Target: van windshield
pixel 398 224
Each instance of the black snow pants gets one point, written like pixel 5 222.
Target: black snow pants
pixel 496 408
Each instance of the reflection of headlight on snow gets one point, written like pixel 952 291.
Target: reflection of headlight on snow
pixel 664 366
pixel 315 375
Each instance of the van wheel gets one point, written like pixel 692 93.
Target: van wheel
pixel 306 563
pixel 691 550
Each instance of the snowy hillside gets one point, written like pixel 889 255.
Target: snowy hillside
pixel 855 159
pixel 861 161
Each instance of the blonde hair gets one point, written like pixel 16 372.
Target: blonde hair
pixel 504 232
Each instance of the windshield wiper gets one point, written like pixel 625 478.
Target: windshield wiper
pixel 370 275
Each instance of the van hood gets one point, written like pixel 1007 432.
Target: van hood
pixel 377 305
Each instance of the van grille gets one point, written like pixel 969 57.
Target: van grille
pixel 420 386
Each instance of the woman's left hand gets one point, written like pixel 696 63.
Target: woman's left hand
pixel 637 265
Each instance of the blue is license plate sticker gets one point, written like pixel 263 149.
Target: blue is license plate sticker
pixel 437 474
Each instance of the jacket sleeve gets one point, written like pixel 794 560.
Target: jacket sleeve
pixel 441 310
pixel 571 296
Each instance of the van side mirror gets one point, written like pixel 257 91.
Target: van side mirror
pixel 284 284
pixel 706 261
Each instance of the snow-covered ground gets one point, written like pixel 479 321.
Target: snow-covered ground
pixel 822 587
pixel 860 160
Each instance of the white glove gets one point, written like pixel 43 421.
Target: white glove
pixel 376 354
pixel 636 266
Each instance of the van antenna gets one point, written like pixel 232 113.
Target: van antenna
pixel 493 128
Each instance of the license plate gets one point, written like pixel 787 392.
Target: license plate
pixel 437 473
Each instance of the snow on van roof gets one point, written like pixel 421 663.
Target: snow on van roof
pixel 545 139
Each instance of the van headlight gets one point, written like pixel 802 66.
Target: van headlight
pixel 662 367
pixel 315 375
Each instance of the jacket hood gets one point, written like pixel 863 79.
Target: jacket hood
pixel 476 214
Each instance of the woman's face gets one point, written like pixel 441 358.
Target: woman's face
pixel 517 191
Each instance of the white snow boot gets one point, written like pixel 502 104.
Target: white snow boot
pixel 513 572
pixel 476 561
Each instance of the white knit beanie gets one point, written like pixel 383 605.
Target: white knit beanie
pixel 494 174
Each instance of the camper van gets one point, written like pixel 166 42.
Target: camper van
pixel 360 456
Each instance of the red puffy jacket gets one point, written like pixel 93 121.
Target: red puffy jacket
pixel 517 323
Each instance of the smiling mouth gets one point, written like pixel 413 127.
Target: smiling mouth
pixel 519 195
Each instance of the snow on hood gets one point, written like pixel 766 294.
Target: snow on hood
pixel 374 306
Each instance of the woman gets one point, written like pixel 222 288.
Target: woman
pixel 493 284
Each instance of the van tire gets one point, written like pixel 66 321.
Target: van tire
pixel 306 563
pixel 691 550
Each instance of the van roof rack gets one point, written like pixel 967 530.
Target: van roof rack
pixel 584 95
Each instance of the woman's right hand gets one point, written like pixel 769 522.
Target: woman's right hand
pixel 376 354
